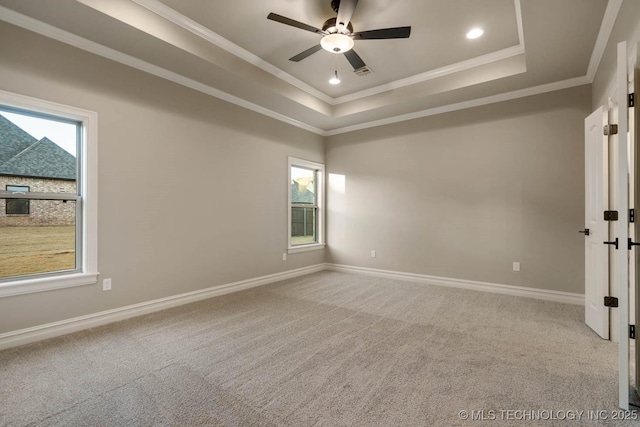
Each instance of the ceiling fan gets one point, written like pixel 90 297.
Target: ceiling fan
pixel 338 35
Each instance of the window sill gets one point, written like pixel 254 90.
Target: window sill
pixel 41 284
pixel 306 248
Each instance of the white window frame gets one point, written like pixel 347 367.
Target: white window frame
pixel 88 272
pixel 320 185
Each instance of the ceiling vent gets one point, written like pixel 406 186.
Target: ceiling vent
pixel 363 71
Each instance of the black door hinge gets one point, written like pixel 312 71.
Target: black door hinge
pixel 632 100
pixel 610 215
pixel 611 130
pixel 611 302
pixel 632 332
pixel 632 215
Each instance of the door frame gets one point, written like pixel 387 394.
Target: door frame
pixel 622 255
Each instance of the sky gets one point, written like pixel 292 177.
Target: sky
pixel 300 173
pixel 63 134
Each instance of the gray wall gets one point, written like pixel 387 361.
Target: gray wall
pixel 463 195
pixel 458 195
pixel 192 190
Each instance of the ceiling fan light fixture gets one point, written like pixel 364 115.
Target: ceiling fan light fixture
pixel 336 43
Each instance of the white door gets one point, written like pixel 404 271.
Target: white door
pixel 596 202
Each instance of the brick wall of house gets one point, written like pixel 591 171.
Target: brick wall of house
pixel 41 212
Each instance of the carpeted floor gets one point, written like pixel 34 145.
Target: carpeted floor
pixel 327 349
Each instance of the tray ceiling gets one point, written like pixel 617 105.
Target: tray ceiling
pixel 229 49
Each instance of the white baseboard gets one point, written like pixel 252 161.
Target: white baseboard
pixel 543 294
pixel 50 330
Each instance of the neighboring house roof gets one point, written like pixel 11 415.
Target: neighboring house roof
pixel 306 181
pixel 23 155
pixel 300 193
pixel 12 140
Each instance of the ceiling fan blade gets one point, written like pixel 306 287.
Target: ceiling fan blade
pixel 354 59
pixel 384 33
pixel 293 23
pixel 299 57
pixel 345 11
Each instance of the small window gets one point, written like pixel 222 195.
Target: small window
pixel 17 206
pixel 306 214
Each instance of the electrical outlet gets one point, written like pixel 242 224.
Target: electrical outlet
pixel 106 284
pixel 284 256
pixel 373 254
pixel 516 266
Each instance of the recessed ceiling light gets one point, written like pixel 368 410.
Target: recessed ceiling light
pixel 475 33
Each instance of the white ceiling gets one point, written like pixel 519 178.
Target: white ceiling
pixel 229 49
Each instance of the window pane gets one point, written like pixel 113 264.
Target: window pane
pixel 303 188
pixel 38 152
pixel 303 226
pixel 43 241
pixel 17 206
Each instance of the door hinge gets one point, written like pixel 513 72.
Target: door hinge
pixel 611 302
pixel 611 130
pixel 632 332
pixel 610 215
pixel 632 100
pixel 632 215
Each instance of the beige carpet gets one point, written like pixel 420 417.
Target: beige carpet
pixel 326 349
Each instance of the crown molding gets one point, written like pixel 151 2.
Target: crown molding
pixel 446 70
pixel 434 74
pixel 518 7
pixel 63 36
pixel 212 37
pixel 199 30
pixel 609 19
pixel 66 37
pixel 507 96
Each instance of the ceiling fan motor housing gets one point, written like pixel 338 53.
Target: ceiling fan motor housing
pixel 330 27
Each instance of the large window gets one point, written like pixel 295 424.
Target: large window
pixel 306 213
pixel 48 230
